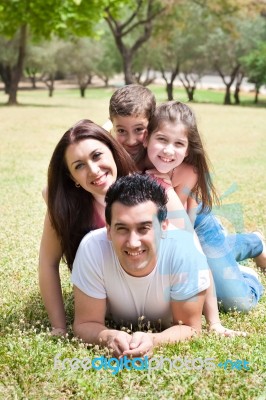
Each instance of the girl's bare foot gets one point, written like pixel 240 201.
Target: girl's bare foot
pixel 219 329
pixel 261 259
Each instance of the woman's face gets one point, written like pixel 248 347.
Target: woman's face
pixel 91 165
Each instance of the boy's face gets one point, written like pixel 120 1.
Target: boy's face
pixel 130 132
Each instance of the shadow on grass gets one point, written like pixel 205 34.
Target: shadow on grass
pixel 21 105
pixel 244 103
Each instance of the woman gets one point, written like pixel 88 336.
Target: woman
pixel 85 162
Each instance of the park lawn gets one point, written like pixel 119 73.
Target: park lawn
pixel 235 140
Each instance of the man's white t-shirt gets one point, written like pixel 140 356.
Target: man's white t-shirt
pixel 180 274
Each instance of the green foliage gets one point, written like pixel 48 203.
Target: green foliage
pixel 45 17
pixel 255 65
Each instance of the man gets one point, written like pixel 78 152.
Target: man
pixel 138 272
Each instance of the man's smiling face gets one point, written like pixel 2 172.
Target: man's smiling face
pixel 135 233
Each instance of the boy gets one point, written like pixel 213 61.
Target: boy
pixel 130 109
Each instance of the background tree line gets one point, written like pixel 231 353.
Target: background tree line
pixel 180 39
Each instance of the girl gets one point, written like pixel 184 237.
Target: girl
pixel 175 150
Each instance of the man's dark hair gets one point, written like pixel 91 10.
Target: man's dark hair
pixel 136 189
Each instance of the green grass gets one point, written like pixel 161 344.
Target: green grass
pixel 235 140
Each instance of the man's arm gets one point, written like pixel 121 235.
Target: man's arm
pixel 186 320
pixel 89 324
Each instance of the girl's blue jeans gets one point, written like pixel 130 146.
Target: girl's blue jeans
pixel 234 289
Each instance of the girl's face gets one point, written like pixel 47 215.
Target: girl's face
pixel 91 165
pixel 168 146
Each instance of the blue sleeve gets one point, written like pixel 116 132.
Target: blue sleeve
pixel 183 260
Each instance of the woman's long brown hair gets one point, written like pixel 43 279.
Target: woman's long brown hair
pixel 70 208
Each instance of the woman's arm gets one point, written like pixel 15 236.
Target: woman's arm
pixel 49 278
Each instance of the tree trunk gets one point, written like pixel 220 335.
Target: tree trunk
pixel 82 91
pixel 190 93
pixel 257 91
pixel 189 85
pixel 239 79
pixel 170 91
pixel 33 81
pixel 143 15
pixel 127 68
pixel 227 97
pixel 170 85
pixel 5 73
pixel 236 94
pixel 50 86
pixel 17 70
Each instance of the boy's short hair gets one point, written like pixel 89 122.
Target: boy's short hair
pixel 135 189
pixel 132 100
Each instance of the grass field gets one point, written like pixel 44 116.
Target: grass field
pixel 235 140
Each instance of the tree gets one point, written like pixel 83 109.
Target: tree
pixel 255 64
pixel 144 64
pixel 177 47
pixel 79 57
pixel 108 60
pixel 51 62
pixel 138 23
pixel 42 18
pixel 178 44
pixel 228 43
pixel 34 62
pixel 190 44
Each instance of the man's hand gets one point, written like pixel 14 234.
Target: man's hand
pixel 141 345
pixel 58 332
pixel 119 342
